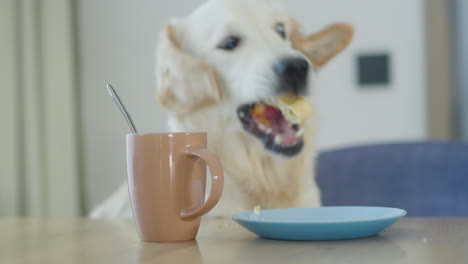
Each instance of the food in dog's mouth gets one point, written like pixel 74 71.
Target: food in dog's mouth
pixel 277 122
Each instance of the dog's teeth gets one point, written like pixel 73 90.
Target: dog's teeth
pixel 300 132
pixel 269 130
pixel 262 127
pixel 277 139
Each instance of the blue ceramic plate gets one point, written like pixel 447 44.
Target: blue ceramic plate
pixel 323 223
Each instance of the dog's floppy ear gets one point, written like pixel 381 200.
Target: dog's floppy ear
pixel 185 83
pixel 324 45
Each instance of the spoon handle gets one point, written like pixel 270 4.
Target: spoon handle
pixel 121 107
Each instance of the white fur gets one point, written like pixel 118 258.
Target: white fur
pixel 253 176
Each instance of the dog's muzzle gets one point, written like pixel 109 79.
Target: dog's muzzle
pixel 292 74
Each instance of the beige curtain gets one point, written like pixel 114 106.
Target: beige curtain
pixel 39 170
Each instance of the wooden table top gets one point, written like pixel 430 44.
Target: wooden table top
pixel 411 240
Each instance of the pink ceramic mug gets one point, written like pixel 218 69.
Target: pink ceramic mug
pixel 167 181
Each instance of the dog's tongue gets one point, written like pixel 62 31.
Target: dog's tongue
pixel 279 125
pixel 272 113
pixel 287 133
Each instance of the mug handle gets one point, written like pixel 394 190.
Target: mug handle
pixel 217 181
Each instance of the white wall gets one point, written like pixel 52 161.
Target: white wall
pixel 349 115
pixel 116 45
pixel 117 39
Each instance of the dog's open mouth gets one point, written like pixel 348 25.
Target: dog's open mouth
pixel 268 123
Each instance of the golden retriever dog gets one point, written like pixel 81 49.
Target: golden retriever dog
pixel 213 67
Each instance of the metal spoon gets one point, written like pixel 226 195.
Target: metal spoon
pixel 122 109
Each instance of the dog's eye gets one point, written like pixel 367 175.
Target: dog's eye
pixel 229 43
pixel 279 28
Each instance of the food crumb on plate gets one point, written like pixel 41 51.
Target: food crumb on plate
pixel 257 210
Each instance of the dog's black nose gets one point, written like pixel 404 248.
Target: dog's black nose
pixel 292 74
